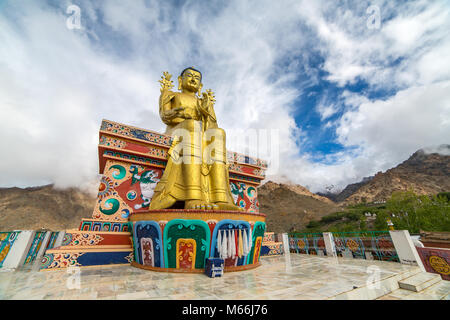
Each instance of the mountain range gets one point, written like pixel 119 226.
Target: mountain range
pixel 424 172
pixel 287 206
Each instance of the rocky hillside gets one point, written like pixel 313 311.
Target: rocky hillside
pixel 43 207
pixel 424 173
pixel 298 189
pixel 291 207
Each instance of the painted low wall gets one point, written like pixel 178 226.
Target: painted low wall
pixel 306 243
pixel 6 243
pixel 24 247
pixel 371 244
pixel 436 260
pixel 38 240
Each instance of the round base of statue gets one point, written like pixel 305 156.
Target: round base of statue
pixel 182 240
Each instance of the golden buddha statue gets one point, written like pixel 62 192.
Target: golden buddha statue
pixel 196 172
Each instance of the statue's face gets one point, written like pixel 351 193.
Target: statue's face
pixel 191 80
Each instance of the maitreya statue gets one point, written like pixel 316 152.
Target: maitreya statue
pixel 197 170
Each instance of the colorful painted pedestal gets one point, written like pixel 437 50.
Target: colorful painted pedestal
pixel 181 240
pixel 123 230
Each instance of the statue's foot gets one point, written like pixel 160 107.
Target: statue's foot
pixel 228 206
pixel 199 204
pixel 162 203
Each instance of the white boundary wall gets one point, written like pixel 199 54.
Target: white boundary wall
pixel 16 257
pixel 329 244
pixel 405 248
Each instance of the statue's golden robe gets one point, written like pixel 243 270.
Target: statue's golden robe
pixel 196 167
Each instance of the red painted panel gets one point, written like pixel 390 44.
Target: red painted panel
pixel 436 260
pixel 137 147
pixel 115 239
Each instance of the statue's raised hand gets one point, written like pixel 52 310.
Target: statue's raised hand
pixel 207 108
pixel 166 82
pixel 207 101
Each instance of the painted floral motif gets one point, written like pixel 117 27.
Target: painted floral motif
pixel 253 180
pixel 130 257
pixel 60 260
pixel 6 241
pixel 141 159
pixel 186 253
pixel 111 209
pixel 85 239
pixel 257 250
pixel 439 265
pixel 112 142
pixel 244 169
pixel 301 244
pixel 67 239
pixel 275 249
pixel 115 128
pixel 241 158
pixel 152 150
pixel 35 246
pixel 131 195
pixel 4 253
pixel 106 188
pixel 135 133
pixel 147 252
pixel 158 152
pixel 268 237
pixel 352 245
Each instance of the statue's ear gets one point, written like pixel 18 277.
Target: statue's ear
pixel 200 89
pixel 180 80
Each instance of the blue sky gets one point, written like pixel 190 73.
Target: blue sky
pixel 321 140
pixel 346 97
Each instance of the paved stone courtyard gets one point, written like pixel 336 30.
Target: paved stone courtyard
pixel 292 276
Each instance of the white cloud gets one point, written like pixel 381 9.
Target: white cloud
pixel 326 111
pixel 57 84
pixel 441 149
pixel 393 129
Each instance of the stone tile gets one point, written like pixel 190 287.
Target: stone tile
pixel 420 281
pixel 419 296
pixel 106 293
pixel 299 277
pixel 388 297
pixel 400 293
pixel 108 298
pixel 133 296
pixel 439 290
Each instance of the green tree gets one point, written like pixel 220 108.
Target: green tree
pixel 313 224
pixel 445 195
pixel 381 221
pixel 409 211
